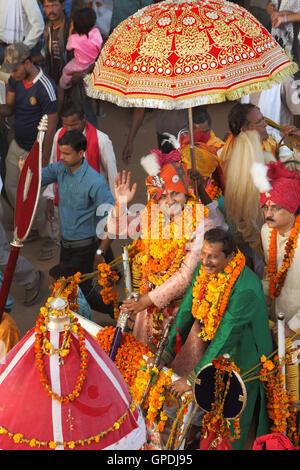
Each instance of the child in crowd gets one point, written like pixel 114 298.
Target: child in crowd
pixel 86 43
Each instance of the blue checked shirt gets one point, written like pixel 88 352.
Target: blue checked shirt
pixel 80 194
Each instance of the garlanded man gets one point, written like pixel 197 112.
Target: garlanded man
pixel 280 200
pixel 227 302
pixel 169 249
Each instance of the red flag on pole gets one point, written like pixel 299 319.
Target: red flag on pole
pixel 28 193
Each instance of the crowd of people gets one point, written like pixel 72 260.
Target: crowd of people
pixel 237 264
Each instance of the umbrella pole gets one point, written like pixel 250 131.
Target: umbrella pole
pixel 192 147
pixel 8 276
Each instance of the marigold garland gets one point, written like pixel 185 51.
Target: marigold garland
pixel 43 347
pixel 130 353
pixel 213 190
pixel 177 425
pixel 162 260
pixel 211 293
pixel 277 278
pixel 162 248
pixel 280 402
pixel 107 278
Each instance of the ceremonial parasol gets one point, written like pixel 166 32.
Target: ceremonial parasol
pixel 179 54
pixel 26 203
pixel 58 394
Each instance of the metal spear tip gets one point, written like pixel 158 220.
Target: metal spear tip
pixel 43 124
pixel 280 316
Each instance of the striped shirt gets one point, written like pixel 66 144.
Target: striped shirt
pixel 32 100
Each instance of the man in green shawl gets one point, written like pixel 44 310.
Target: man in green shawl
pixel 243 331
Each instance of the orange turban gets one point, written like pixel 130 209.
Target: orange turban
pixel 166 172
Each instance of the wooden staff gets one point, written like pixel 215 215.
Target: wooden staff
pixel 192 147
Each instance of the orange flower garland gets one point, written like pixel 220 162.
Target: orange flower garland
pixel 280 402
pixel 42 344
pixel 107 278
pixel 211 293
pixel 130 353
pixel 277 279
pixel 213 190
pixel 155 399
pixel 164 245
pixel 177 426
pixel 19 438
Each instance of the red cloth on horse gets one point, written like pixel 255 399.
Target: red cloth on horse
pixel 275 441
pixel 213 441
pixel 27 408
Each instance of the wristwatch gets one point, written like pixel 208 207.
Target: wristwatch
pixel 100 252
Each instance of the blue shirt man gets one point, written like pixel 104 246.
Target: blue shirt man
pixel 81 191
pixel 80 194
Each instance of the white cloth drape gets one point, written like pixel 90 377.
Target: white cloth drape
pixel 13 26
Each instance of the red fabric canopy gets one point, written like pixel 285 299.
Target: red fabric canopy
pixel 28 412
pixel 175 55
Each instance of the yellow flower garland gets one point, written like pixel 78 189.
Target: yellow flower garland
pixel 164 245
pixel 156 396
pixel 19 438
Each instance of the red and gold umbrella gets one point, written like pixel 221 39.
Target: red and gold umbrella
pixel 179 54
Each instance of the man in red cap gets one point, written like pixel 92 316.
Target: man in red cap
pixel 280 201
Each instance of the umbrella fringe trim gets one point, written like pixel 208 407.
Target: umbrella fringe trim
pixel 213 98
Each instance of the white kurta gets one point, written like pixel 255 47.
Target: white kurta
pixel 288 301
pixel 21 19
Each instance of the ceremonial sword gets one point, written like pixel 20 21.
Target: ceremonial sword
pixel 123 317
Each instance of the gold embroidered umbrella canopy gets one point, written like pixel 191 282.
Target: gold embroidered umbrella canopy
pixel 178 54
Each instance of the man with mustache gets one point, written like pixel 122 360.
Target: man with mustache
pixel 56 36
pixel 280 201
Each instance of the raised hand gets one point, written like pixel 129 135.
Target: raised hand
pixel 123 193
